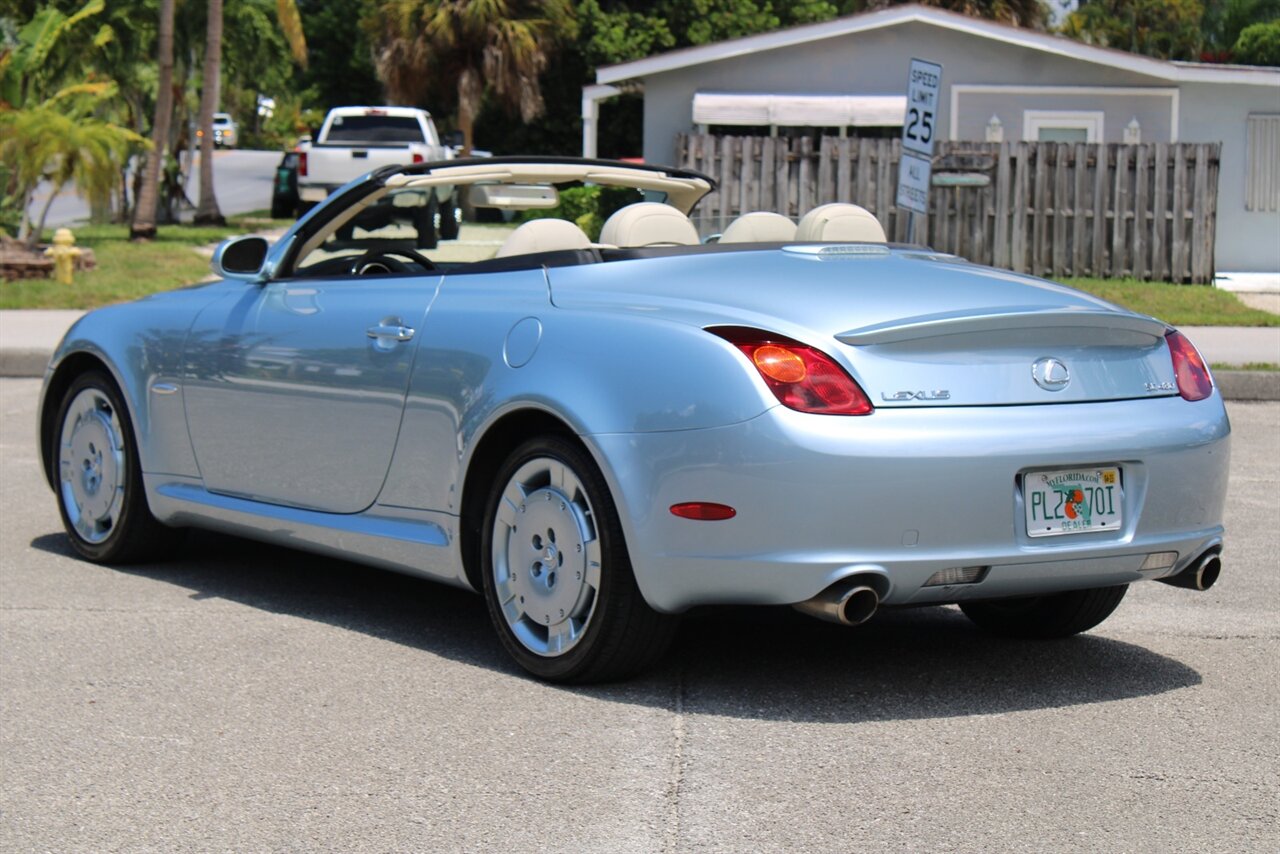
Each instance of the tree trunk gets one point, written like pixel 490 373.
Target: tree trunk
pixel 207 212
pixel 144 215
pixel 470 91
pixel 34 238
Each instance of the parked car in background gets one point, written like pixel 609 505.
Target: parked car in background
pixel 226 133
pixel 284 190
pixel 354 141
pixel 600 436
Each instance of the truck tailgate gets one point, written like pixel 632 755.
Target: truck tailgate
pixel 332 165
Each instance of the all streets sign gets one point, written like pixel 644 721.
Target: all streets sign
pixel 918 133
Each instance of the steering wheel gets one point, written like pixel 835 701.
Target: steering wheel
pixel 380 261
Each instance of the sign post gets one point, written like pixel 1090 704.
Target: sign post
pixel 918 133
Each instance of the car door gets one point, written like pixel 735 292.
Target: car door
pixel 294 389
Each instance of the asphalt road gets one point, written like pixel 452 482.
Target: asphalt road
pixel 241 180
pixel 243 697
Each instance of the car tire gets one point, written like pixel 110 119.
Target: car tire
pixel 449 225
pixel 557 577
pixel 424 222
pixel 1058 615
pixel 98 477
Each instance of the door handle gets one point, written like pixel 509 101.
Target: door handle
pixel 393 331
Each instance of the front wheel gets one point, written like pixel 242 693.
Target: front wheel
pixel 99 478
pixel 1054 616
pixel 557 577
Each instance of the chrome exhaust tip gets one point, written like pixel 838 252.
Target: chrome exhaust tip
pixel 843 603
pixel 1201 575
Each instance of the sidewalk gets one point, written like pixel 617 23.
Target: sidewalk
pixel 28 338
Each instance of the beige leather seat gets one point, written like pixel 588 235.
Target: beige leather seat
pixel 759 227
pixel 840 222
pixel 649 224
pixel 543 235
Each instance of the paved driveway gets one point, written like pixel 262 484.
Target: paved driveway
pixel 244 697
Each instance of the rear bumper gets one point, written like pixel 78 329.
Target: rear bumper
pixel 904 493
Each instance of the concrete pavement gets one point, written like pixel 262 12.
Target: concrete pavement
pixel 243 697
pixel 28 338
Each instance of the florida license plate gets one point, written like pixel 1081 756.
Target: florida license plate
pixel 1072 501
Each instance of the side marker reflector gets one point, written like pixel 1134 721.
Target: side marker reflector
pixel 703 511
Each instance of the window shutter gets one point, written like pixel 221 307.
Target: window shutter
pixel 1262 176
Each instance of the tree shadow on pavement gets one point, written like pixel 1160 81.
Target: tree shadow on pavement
pixel 765 663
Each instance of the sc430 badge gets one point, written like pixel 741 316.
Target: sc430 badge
pixel 938 394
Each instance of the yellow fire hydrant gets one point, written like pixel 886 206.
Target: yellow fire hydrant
pixel 64 254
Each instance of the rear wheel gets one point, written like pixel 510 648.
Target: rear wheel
pixel 424 222
pixel 557 578
pixel 449 225
pixel 1055 616
pixel 99 479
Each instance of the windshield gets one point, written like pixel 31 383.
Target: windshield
pixel 374 129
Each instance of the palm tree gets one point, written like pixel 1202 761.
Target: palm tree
pixel 61 142
pixel 500 46
pixel 207 212
pixel 144 215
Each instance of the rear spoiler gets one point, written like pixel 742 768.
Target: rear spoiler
pixel 991 320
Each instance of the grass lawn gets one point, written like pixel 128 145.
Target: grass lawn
pixel 1180 305
pixel 127 270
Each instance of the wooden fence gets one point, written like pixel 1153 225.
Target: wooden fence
pixel 1051 209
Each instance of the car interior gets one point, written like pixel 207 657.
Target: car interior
pixel 390 231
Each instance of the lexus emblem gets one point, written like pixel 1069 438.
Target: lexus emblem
pixel 1050 374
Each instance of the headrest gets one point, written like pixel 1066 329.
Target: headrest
pixel 840 222
pixel 759 227
pixel 543 235
pixel 649 224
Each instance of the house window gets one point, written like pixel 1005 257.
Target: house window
pixel 1061 126
pixel 1262 174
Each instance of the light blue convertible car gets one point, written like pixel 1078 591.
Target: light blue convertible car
pixel 600 435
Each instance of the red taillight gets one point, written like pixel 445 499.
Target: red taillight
pixel 1194 380
pixel 801 377
pixel 302 163
pixel 418 158
pixel 703 511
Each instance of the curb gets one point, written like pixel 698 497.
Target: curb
pixel 1248 385
pixel 1234 385
pixel 23 362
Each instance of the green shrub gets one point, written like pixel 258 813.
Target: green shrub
pixel 1259 44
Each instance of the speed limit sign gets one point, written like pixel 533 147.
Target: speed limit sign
pixel 921 121
pixel 919 128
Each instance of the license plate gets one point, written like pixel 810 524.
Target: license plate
pixel 1072 501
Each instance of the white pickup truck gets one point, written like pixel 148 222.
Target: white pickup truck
pixel 356 140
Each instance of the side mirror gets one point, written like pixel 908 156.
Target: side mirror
pixel 240 257
pixel 453 139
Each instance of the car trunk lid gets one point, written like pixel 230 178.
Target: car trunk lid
pixel 914 328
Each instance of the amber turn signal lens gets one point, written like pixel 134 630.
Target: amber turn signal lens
pixel 801 377
pixel 779 364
